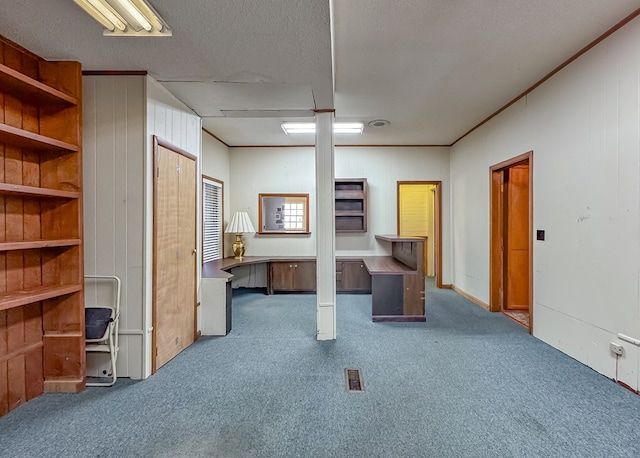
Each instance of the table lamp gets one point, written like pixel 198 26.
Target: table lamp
pixel 240 224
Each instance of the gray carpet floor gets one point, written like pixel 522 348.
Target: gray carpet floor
pixel 467 383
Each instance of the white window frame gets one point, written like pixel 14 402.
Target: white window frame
pixel 212 225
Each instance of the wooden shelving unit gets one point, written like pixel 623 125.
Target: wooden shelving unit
pixel 41 263
pixel 351 204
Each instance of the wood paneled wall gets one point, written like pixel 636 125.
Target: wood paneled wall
pixel 121 114
pixel 114 158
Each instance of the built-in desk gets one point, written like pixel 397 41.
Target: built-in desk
pixel 397 281
pixel 284 273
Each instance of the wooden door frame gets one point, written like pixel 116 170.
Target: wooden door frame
pixel 437 243
pixel 158 142
pixel 496 232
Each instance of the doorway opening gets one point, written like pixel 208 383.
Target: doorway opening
pixel 511 251
pixel 420 215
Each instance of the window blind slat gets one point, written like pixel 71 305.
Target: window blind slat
pixel 212 220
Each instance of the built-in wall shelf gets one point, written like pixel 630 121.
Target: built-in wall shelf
pixel 41 256
pixel 32 91
pixel 36 244
pixel 41 293
pixel 351 204
pixel 34 191
pixel 26 139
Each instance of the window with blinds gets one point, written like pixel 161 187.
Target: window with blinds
pixel 212 220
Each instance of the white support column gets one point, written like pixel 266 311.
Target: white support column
pixel 325 228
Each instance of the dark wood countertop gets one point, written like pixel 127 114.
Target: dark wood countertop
pixel 219 267
pixel 385 265
pixel 397 238
pixel 376 265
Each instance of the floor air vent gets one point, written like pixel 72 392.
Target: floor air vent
pixel 354 380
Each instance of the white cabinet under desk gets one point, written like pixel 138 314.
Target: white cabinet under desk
pixel 215 301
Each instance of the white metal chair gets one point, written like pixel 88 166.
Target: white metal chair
pixel 101 327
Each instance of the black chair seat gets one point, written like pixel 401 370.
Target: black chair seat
pixel 96 322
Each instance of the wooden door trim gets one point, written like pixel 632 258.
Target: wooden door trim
pixel 158 142
pixel 513 161
pixel 438 223
pixel 495 260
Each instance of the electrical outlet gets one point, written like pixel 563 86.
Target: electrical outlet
pixel 615 348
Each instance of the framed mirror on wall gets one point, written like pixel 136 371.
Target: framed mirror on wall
pixel 283 214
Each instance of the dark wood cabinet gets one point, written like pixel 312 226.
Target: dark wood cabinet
pixel 352 276
pixel 351 204
pixel 292 276
pixel 398 281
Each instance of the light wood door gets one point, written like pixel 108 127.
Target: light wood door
pixel 516 238
pixel 175 254
pixel 187 253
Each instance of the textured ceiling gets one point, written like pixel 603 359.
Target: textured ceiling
pixel 433 68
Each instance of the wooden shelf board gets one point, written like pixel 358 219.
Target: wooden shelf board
pixel 33 191
pixel 348 213
pixel 63 334
pixel 31 90
pixel 35 244
pixel 31 295
pixel 355 195
pixel 26 139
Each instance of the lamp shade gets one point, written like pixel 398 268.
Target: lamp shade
pixel 240 224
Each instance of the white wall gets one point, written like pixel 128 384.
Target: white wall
pixel 292 170
pixel 113 164
pixel 583 126
pixel 172 121
pixel 383 167
pixel 215 163
pixel 271 170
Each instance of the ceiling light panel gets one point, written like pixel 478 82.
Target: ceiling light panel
pixel 126 17
pixel 310 127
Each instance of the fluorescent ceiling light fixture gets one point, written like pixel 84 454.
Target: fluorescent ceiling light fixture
pixel 135 14
pixel 126 17
pixel 310 127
